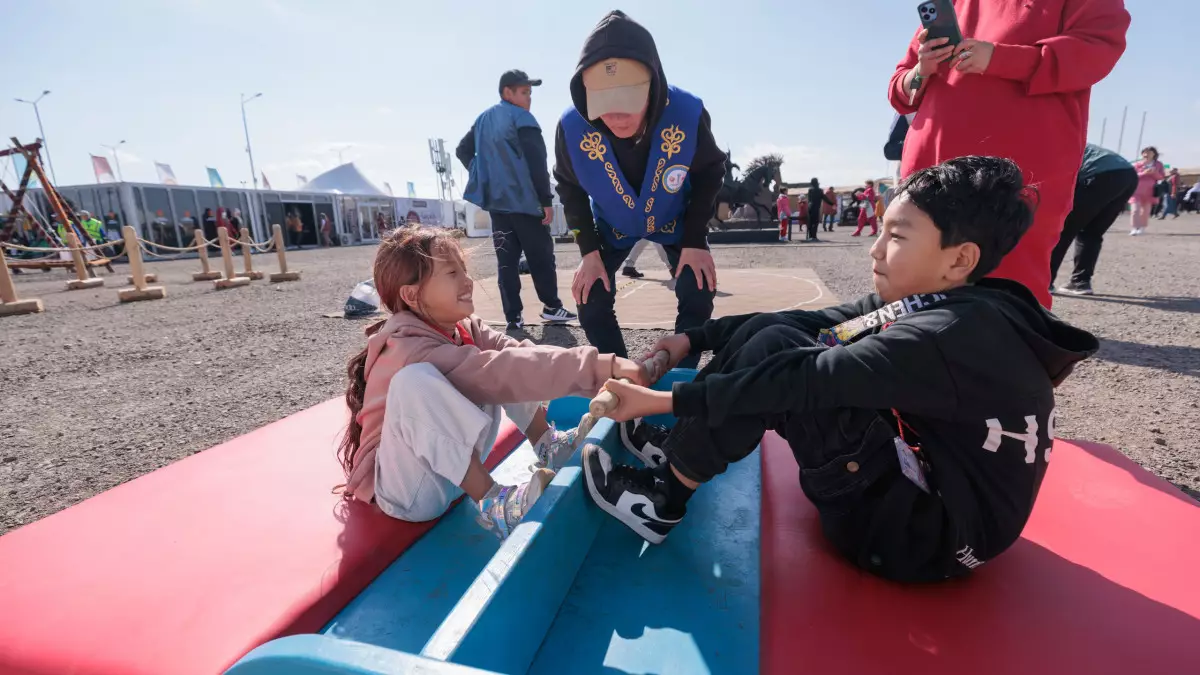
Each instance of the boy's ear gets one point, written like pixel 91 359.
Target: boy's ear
pixel 966 257
pixel 410 294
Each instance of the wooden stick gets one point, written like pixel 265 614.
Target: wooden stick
pixel 226 254
pixel 606 401
pixel 135 257
pixel 277 232
pixel 249 272
pixel 76 255
pixel 9 302
pixel 202 250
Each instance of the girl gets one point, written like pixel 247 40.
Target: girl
pixel 1149 171
pixel 425 394
pixel 866 214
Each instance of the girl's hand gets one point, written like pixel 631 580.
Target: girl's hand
pixel 974 56
pixel 630 370
pixel 931 54
pixel 678 346
pixel 634 401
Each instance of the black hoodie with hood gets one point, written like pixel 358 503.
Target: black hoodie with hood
pixel 972 377
pixel 618 36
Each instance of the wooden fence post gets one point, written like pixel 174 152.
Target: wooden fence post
pixel 249 272
pixel 206 273
pixel 10 304
pixel 230 281
pixel 283 274
pixel 81 280
pixel 137 275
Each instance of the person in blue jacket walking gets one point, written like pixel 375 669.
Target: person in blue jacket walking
pixel 506 156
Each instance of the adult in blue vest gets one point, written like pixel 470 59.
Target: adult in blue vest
pixel 506 155
pixel 635 159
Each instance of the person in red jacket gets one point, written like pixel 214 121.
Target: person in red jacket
pixel 1018 87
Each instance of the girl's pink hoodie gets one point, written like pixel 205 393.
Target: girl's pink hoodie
pixel 495 370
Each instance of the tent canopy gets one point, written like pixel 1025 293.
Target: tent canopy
pixel 346 180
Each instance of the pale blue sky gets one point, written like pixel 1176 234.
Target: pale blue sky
pixel 804 78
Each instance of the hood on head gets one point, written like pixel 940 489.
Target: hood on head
pixel 618 36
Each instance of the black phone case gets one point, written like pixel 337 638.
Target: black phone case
pixel 939 18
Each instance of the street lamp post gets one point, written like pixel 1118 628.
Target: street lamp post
pixel 116 158
pixel 246 128
pixel 37 113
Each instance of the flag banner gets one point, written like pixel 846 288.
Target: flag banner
pixel 412 191
pixel 388 186
pixel 266 183
pixel 165 175
pixel 104 172
pixel 19 165
pixel 301 181
pixel 214 178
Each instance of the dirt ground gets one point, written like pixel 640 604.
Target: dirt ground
pixel 94 393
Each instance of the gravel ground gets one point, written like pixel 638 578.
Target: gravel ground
pixel 93 393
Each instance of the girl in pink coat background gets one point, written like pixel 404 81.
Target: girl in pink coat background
pixel 1149 171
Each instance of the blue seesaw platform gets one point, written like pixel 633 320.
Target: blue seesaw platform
pixel 240 560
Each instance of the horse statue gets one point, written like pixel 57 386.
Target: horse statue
pixel 754 188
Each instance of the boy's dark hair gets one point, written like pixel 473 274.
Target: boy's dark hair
pixel 982 200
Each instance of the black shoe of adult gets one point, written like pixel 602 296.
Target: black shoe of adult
pixel 632 272
pixel 645 441
pixel 517 324
pixel 560 315
pixel 635 497
pixel 1077 289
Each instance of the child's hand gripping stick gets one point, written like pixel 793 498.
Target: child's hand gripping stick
pixel 606 401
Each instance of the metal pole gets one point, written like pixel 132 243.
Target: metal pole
pixel 246 128
pixel 1121 136
pixel 1141 132
pixel 50 161
pixel 1103 128
pixel 116 158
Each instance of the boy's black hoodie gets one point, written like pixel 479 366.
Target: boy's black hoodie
pixel 618 36
pixel 972 375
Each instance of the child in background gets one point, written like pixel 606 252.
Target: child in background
pixel 785 213
pixel 1149 171
pixel 425 395
pixel 921 416
pixel 866 214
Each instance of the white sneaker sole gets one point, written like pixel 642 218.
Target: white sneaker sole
pixel 648 460
pixel 637 526
pixel 557 319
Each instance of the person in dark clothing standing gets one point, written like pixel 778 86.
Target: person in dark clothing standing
pixel 629 167
pixel 921 416
pixel 506 156
pixel 816 197
pixel 1106 182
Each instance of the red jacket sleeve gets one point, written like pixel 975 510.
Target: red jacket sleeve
pixel 897 94
pixel 1091 42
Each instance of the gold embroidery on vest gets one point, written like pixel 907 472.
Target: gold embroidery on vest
pixel 592 144
pixel 650 225
pixel 669 228
pixel 672 137
pixel 658 170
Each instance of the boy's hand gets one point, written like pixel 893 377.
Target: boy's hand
pixel 634 401
pixel 630 370
pixel 678 346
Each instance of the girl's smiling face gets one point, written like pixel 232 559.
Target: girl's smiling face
pixel 446 295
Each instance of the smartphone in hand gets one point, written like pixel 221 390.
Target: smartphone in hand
pixel 939 18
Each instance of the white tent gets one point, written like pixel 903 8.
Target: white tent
pixel 344 180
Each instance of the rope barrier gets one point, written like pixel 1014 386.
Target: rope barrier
pixel 264 246
pixel 152 254
pixel 64 249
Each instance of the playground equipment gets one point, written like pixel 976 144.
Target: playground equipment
pixel 10 304
pixel 288 578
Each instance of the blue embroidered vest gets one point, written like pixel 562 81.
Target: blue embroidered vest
pixel 655 211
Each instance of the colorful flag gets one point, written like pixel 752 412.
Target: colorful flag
pixel 412 191
pixel 165 175
pixel 104 172
pixel 266 183
pixel 214 178
pixel 301 181
pixel 19 165
pixel 388 186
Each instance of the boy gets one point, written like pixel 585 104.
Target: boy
pixel 922 436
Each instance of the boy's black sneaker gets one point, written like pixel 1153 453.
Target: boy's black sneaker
pixel 559 315
pixel 645 441
pixel 517 324
pixel 635 497
pixel 632 272
pixel 1077 289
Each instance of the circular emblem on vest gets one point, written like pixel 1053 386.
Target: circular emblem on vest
pixel 673 178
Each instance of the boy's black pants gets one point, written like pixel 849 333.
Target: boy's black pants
pixel 848 465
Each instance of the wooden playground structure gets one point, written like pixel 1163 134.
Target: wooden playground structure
pixel 76 249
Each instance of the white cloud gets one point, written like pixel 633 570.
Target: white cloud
pixel 127 157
